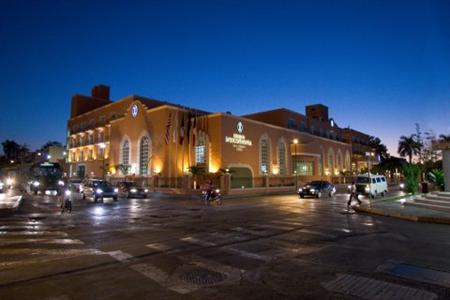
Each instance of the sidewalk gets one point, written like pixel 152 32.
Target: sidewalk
pixel 396 209
pixel 9 203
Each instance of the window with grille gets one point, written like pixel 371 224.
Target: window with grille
pixel 200 154
pixel 264 154
pixel 282 158
pixel 143 156
pixel 126 153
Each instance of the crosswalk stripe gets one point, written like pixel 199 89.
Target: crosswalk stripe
pixel 28 233
pixel 229 249
pixel 7 242
pixel 120 255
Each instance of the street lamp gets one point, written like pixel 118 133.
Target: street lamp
pixel 369 160
pixel 103 146
pixel 295 141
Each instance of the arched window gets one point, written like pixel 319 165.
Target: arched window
pixel 347 161
pixel 200 151
pixel 264 154
pixel 331 160
pixel 339 160
pixel 126 153
pixel 282 157
pixel 143 156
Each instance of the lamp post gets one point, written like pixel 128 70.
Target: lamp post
pixel 295 141
pixel 369 160
pixel 103 147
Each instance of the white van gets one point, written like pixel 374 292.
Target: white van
pixel 371 185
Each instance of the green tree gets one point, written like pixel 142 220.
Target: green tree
pixel 14 151
pixel 123 168
pixel 196 171
pixel 411 173
pixel 436 176
pixel 409 146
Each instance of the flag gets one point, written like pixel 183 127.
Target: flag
pixel 181 135
pixel 169 124
pixel 175 129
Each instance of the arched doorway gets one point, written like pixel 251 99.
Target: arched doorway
pixel 241 177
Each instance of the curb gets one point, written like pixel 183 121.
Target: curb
pixel 423 219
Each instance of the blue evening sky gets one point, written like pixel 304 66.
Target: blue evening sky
pixel 380 66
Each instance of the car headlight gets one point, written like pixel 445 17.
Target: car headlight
pixel 133 190
pixel 60 182
pixel 146 190
pixel 217 191
pixel 313 190
pixel 402 185
pixel 47 192
pixel 300 190
pixel 116 190
pixel 67 192
pixel 349 186
pixel 99 191
pixel 36 183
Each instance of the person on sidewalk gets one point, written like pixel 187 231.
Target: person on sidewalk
pixel 353 194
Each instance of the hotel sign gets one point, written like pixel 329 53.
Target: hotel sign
pixel 238 140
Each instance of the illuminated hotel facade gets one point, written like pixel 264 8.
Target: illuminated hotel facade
pixel 143 137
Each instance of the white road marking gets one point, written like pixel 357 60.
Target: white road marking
pixel 6 242
pixel 228 249
pixel 28 233
pixel 120 255
pixel 287 223
pixel 193 240
pixel 367 288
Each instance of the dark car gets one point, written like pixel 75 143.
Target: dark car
pixel 317 189
pixel 131 189
pixel 99 189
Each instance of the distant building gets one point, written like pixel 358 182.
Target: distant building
pixel 157 137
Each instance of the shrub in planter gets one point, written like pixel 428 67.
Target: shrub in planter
pixel 411 173
pixel 436 176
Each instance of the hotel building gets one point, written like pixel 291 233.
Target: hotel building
pixel 142 137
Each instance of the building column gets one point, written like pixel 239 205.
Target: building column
pixel 446 167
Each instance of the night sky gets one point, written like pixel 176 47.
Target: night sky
pixel 380 66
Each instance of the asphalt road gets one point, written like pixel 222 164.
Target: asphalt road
pixel 272 247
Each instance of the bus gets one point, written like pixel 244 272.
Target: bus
pixel 46 178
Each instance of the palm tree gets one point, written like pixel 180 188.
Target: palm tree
pixel 379 148
pixel 408 146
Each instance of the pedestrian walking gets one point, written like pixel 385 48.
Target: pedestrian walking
pixel 353 195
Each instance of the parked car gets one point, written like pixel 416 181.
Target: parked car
pixel 131 189
pixel 75 185
pixel 371 185
pixel 317 189
pixel 97 189
pixel 2 187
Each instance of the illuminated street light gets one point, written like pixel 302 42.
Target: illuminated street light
pixel 11 161
pixel 295 141
pixel 103 146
